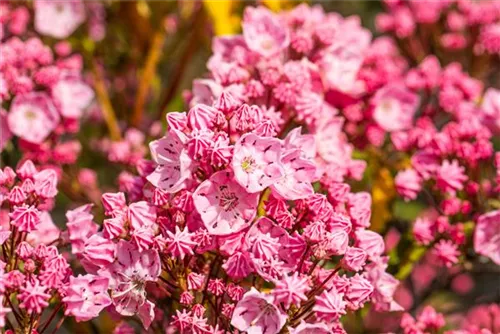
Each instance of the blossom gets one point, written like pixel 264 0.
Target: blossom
pixel 384 287
pixel 358 291
pixel 310 328
pixel 371 242
pixel 180 243
pixel 491 108
pixel 255 162
pixel 330 305
pixel 25 218
pixel 487 236
pixel 34 111
pixel 128 277
pixel 99 251
pixel 46 231
pixel 72 95
pixel 394 107
pixel 450 176
pixel 446 252
pixel 291 290
pixel 173 163
pixel 354 259
pixel 86 296
pixel 45 183
pixel 58 19
pixel 255 313
pixel 33 297
pixel 423 230
pixel 263 32
pixel 225 207
pixel 295 182
pixel 408 184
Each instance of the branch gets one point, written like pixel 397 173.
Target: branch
pixel 105 102
pixel 148 73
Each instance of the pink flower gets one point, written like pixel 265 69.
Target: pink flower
pixel 113 202
pixel 173 167
pixel 263 32
pixel 450 177
pixel 291 290
pixel 33 111
pixel 384 287
pixel 72 95
pixel 423 230
pixel 180 243
pixel 358 291
pixel 128 277
pixel 310 328
pixel 371 242
pixel 33 297
pixel 394 107
pixel 446 252
pixel 86 296
pixel 354 259
pixel 46 183
pixel 487 236
pixel 255 162
pixel 5 133
pixel 490 107
pixel 99 251
pixel 408 184
pixel 195 281
pixel 25 218
pixel 46 231
pixel 225 207
pixel 80 227
pixel 59 18
pixel 330 305
pixel 431 319
pixel 238 265
pixel 255 313
pixel 298 173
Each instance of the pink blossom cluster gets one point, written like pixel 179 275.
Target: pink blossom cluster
pixel 226 206
pixel 33 272
pixel 456 24
pixel 482 319
pixel 298 66
pixel 41 91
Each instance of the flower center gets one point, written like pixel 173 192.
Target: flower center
pixel 228 200
pixel 30 115
pixel 248 164
pixel 59 8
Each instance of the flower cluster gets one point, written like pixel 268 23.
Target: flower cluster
pixel 298 66
pixel 225 204
pixel 41 91
pixel 33 272
pixel 455 25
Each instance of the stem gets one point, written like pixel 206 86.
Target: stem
pixel 13 309
pixel 49 320
pixel 107 107
pixel 32 321
pixel 196 22
pixel 334 272
pixel 59 324
pixel 148 73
